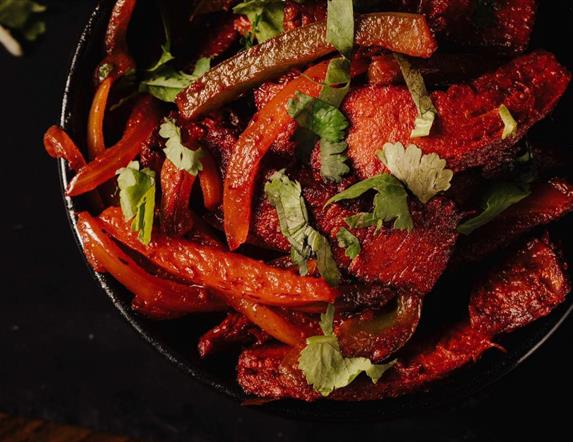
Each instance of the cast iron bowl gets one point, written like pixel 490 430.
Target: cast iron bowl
pixel 177 339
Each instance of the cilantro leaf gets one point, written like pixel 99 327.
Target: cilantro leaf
pixel 390 203
pixel 332 160
pixel 426 109
pixel 137 198
pixel 327 321
pixel 323 119
pixel 349 242
pixel 165 82
pixel 327 122
pixel 266 17
pixel 325 368
pixel 337 82
pixel 500 197
pixel 180 155
pixel 425 175
pixel 340 25
pixel 509 123
pixel 286 197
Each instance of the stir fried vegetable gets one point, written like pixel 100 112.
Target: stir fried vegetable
pixel 404 33
pixel 343 198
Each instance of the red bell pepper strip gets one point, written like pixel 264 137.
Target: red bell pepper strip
pixel 220 271
pixel 58 144
pixel 117 62
pixel 377 336
pixel 142 123
pixel 405 33
pixel 211 183
pixel 96 140
pixel 176 187
pixel 155 295
pixel 252 146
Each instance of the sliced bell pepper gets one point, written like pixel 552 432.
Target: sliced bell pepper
pixel 176 187
pixel 117 62
pixel 377 336
pixel 399 32
pixel 142 123
pixel 221 271
pixel 96 139
pixel 154 295
pixel 252 146
pixel 58 144
pixel 211 183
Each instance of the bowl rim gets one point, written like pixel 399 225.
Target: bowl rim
pixel 439 394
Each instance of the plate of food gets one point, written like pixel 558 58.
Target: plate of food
pixel 310 203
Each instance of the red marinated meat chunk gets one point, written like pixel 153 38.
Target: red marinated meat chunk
pixel 410 260
pixel 505 26
pixel 400 259
pixel 235 329
pixel 468 130
pixel 302 14
pixel 528 286
pixel 502 26
pixel 548 202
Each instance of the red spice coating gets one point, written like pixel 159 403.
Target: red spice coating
pixel 528 286
pixel 548 202
pixel 468 129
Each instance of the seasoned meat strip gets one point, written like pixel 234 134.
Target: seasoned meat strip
pixel 503 26
pixel 549 201
pixel 397 258
pixel 468 129
pixel 528 286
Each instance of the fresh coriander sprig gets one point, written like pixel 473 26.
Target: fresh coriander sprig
pixel 324 366
pixel 286 197
pixel 137 198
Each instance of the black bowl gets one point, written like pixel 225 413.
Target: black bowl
pixel 177 339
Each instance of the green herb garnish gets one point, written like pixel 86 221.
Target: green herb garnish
pixel 324 366
pixel 500 197
pixel 165 82
pixel 328 123
pixel 424 174
pixel 390 203
pixel 349 242
pixel 181 156
pixel 340 26
pixel 509 123
pixel 286 197
pixel 266 17
pixel 137 198
pixel 426 109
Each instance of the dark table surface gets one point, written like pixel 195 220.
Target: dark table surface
pixel 66 354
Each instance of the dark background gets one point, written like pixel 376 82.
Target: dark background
pixel 67 355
